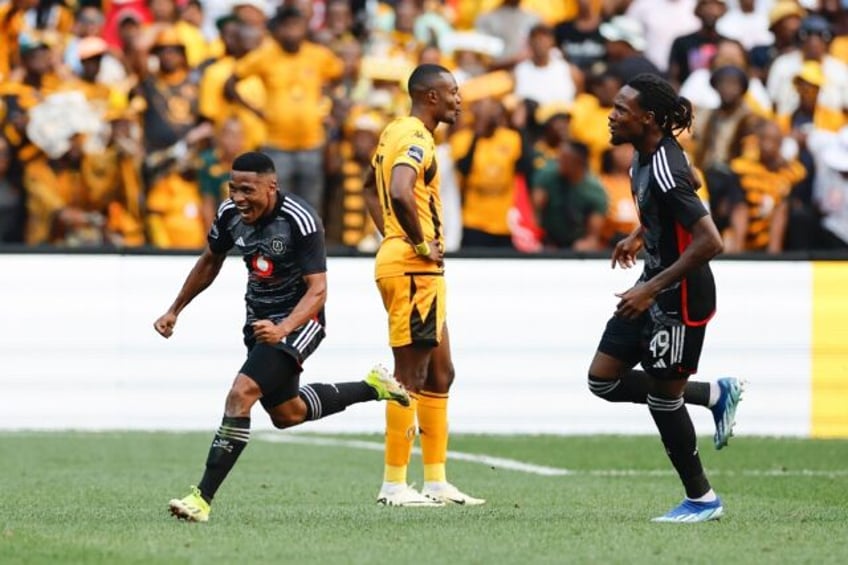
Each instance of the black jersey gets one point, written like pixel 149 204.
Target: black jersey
pixel 668 206
pixel 278 251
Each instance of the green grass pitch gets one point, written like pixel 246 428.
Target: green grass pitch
pixel 101 498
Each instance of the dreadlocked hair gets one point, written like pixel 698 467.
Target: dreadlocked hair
pixel 672 113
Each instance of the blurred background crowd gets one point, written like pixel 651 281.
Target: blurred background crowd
pixel 119 118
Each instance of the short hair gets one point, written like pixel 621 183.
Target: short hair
pixel 672 113
pixel 254 162
pixel 580 149
pixel 423 78
pixel 284 13
pixel 540 29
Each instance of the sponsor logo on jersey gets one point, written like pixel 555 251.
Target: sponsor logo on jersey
pixel 262 266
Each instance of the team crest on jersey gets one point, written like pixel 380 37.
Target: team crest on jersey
pixel 415 153
pixel 278 246
pixel 262 266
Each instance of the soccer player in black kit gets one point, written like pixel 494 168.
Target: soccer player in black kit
pixel 660 321
pixel 281 239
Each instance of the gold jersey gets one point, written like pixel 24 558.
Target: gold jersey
pixel 406 141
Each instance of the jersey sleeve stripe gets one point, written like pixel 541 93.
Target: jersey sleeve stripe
pixel 304 219
pixel 661 170
pixel 225 205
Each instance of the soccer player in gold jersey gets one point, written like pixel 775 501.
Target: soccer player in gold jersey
pixel 402 193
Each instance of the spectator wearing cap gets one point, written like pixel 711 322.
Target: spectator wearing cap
pixel 12 23
pixel 590 116
pixel 830 187
pixel 695 50
pixel 808 82
pixel 729 52
pixel 546 76
pixel 296 73
pixel 814 35
pixel 807 118
pixel 89 23
pixel 662 21
pixel 719 135
pixel 715 130
pixel 487 157
pixel 512 24
pixel 91 51
pixel 625 45
pixel 238 39
pixel 784 19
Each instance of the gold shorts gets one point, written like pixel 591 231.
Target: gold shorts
pixel 416 307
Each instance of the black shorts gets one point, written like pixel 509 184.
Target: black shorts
pixel 300 344
pixel 275 371
pixel 666 350
pixel 276 368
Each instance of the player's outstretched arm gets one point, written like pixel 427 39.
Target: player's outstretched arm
pixel 372 201
pixel 205 270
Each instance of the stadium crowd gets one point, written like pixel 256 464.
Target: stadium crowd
pixel 120 118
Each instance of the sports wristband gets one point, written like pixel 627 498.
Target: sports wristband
pixel 422 248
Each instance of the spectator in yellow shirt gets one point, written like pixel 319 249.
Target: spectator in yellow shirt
pixel 296 73
pixel 487 157
pixel 238 40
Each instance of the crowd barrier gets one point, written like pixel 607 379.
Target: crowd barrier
pixel 78 349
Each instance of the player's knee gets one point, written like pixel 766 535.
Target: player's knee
pixel 412 379
pixel 450 374
pixel 288 414
pixel 242 396
pixel 603 388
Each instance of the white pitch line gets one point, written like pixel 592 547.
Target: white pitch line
pixel 543 470
pixel 498 462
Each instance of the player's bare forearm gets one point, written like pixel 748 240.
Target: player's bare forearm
pixel 308 306
pixel 372 201
pixel 403 202
pixel 706 244
pixel 204 272
pixel 777 229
